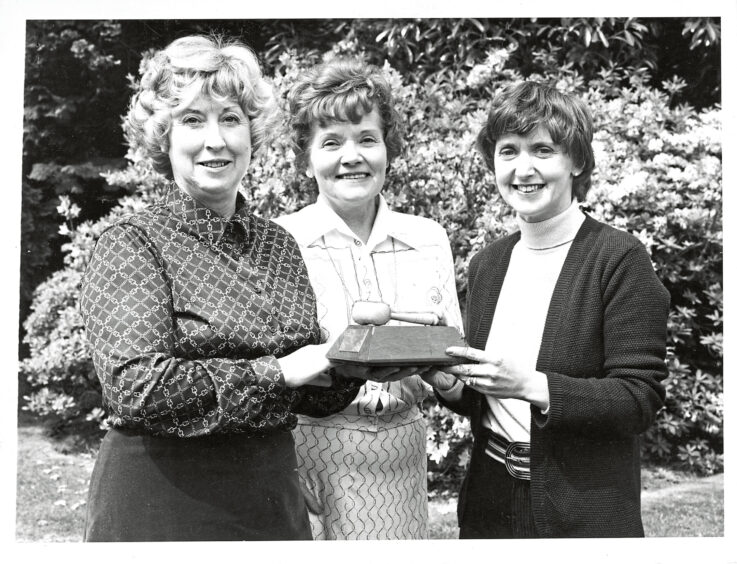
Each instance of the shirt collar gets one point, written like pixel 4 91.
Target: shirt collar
pixel 206 223
pixel 389 223
pixel 322 220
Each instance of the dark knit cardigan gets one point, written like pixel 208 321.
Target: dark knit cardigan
pixel 603 351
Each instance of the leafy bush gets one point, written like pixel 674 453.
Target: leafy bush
pixel 664 185
pixel 70 134
pixel 658 176
pixel 424 48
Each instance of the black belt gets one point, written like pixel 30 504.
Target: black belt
pixel 514 455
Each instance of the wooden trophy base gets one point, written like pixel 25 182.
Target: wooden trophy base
pixel 383 345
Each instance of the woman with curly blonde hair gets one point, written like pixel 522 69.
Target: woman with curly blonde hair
pixel 202 323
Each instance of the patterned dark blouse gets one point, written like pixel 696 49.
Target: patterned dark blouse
pixel 187 313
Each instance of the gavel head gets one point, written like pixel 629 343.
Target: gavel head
pixel 371 313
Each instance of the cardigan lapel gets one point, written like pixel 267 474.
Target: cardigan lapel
pixel 490 277
pixel 489 280
pixel 582 244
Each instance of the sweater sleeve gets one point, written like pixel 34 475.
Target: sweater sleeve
pixel 625 397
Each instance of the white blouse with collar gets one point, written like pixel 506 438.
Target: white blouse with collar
pixel 406 263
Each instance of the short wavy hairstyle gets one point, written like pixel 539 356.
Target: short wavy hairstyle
pixel 223 69
pixel 341 90
pixel 520 108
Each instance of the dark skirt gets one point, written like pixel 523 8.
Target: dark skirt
pixel 226 487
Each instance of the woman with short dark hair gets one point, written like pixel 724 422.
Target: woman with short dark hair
pixel 365 467
pixel 566 322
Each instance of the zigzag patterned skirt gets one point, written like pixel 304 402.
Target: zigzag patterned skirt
pixel 369 472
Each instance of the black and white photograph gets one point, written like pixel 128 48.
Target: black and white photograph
pixel 448 278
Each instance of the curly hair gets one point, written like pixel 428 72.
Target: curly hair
pixel 223 69
pixel 343 89
pixel 520 108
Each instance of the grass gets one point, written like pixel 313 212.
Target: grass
pixel 53 477
pixel 674 504
pixel 51 487
pixel 677 505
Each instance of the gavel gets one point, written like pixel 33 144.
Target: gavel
pixel 379 313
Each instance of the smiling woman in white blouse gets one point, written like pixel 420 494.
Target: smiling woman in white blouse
pixel 366 466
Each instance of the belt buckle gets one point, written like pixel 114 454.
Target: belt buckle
pixel 517 460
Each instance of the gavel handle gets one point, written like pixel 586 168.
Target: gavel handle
pixel 423 318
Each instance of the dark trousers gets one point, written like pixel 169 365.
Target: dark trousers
pixel 493 504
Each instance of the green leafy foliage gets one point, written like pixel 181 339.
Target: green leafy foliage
pixel 75 92
pixel 658 176
pixel 424 48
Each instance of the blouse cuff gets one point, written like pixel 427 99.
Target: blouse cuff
pixel 268 372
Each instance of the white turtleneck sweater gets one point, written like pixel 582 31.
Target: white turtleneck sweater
pixel 519 320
